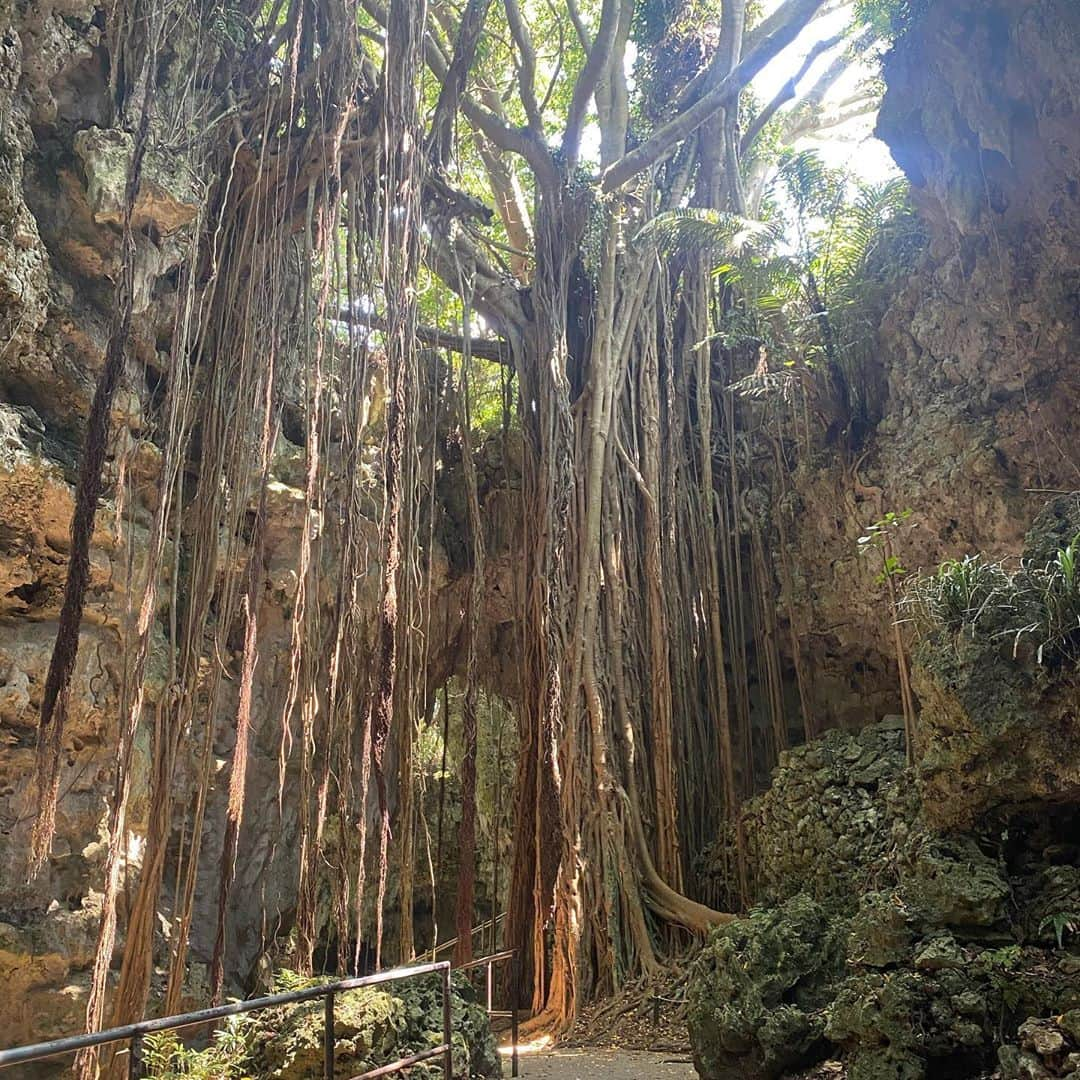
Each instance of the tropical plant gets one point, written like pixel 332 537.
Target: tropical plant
pixel 1038 604
pixel 959 594
pixel 1051 593
pixel 807 280
pixel 1062 923
pixel 226 1058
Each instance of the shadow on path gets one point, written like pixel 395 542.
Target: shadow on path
pixel 606 1065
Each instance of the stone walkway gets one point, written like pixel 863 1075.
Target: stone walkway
pixel 604 1065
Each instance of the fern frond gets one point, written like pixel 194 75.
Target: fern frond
pixel 714 233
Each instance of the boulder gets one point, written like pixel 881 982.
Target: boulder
pixel 901 958
pixel 757 992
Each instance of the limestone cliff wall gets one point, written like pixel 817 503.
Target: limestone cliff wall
pixel 977 353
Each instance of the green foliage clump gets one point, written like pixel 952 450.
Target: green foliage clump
pixel 809 278
pixel 960 593
pixel 1051 906
pixel 226 1058
pixel 372 1028
pixel 889 18
pixel 879 537
pixel 1033 603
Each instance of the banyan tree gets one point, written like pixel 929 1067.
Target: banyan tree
pixel 399 203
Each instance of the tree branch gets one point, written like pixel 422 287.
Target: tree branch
pixel 579 26
pixel 494 349
pixel 453 83
pixel 662 141
pixel 597 63
pixel 787 92
pixel 453 256
pixel 527 67
pixel 510 204
pixel 731 47
pixel 831 75
pixel 811 129
pixel 770 24
pixel 612 95
pixel 705 80
pixel 732 34
pixel 513 139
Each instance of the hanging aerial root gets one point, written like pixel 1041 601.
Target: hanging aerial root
pixel 56 696
pixel 238 775
pixel 401 227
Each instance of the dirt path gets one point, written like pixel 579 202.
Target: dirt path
pixel 605 1065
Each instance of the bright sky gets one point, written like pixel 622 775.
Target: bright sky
pixel 852 146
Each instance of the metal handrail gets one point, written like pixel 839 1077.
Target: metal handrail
pixel 489 962
pixel 451 943
pixel 135 1033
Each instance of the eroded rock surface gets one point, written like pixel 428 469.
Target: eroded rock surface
pixel 976 363
pixel 907 961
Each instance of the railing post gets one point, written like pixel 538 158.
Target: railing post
pixel 513 1037
pixel 135 1058
pixel 448 1054
pixel 328 1036
pixel 515 980
pixel 489 986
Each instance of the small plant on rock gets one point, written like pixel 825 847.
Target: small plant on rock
pixel 1055 592
pixel 1035 603
pixel 226 1058
pixel 960 594
pixel 880 538
pixel 1062 923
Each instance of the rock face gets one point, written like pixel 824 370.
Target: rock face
pixel 759 992
pixel 1048 1048
pixel 939 897
pixel 64 159
pixel 844 793
pixel 908 958
pixel 919 921
pixel 1000 723
pixel 977 352
pixel 55 265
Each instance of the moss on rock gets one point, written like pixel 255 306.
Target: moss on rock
pixel 845 794
pixel 910 959
pixel 758 991
pixel 371 1028
pixel 949 881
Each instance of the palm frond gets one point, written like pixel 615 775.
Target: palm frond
pixel 715 234
pixel 806 180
